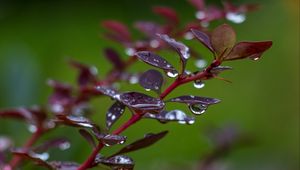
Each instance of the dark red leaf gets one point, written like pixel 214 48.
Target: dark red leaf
pixel 148 28
pixel 77 121
pixel 118 162
pixel 174 115
pixel 39 159
pixel 61 97
pixel 252 50
pixel 114 58
pixel 148 140
pixel 155 60
pixel 140 101
pixel 58 165
pixel 189 99
pixel 223 38
pixel 20 113
pixel 151 80
pixel 203 38
pixel 88 137
pixel 168 13
pixel 182 50
pixel 198 4
pixel 108 91
pixel 118 29
pixel 114 113
pixel 219 69
pixel 86 75
pixel 60 143
pixel 110 139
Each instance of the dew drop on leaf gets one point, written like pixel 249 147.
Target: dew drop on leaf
pixel 172 73
pixel 200 63
pixel 198 84
pixel 236 17
pixel 64 146
pixel 198 108
pixel 32 128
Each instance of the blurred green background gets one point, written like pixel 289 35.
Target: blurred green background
pixel 36 38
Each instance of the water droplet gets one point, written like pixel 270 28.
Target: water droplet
pixel 172 73
pixel 32 128
pixel 236 17
pixel 182 122
pixel 57 108
pixel 255 58
pixel 133 79
pixel 64 146
pixel 94 70
pixel 200 15
pixel 188 36
pixel 187 72
pixel 154 43
pixel 200 63
pixel 147 89
pixel 198 108
pixel 192 121
pixel 43 156
pixel 130 51
pixel 198 84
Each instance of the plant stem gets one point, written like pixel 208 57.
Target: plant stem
pixel 137 116
pixel 16 159
pixel 89 162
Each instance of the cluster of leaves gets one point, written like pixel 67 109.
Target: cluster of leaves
pixel 71 106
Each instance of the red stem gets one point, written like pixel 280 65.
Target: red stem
pixel 205 74
pixel 35 136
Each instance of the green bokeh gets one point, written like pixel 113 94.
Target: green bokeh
pixel 36 39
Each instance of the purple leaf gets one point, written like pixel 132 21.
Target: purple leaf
pixel 114 58
pixel 155 60
pixel 182 50
pixel 174 115
pixel 61 97
pixel 198 4
pixel 118 29
pixel 60 143
pixel 139 101
pixel 148 28
pixel 58 165
pixel 167 13
pixel 118 162
pixel 77 121
pixel 189 99
pixel 110 139
pixel 88 137
pixel 252 50
pixel 151 80
pixel 223 38
pixel 39 159
pixel 203 38
pixel 219 69
pixel 108 91
pixel 86 75
pixel 20 113
pixel 114 113
pixel 148 140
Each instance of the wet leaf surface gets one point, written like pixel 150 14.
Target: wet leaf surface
pixel 151 80
pixel 114 113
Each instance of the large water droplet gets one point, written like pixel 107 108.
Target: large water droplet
pixel 236 17
pixel 32 128
pixel 198 108
pixel 172 73
pixel 198 84
pixel 200 63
